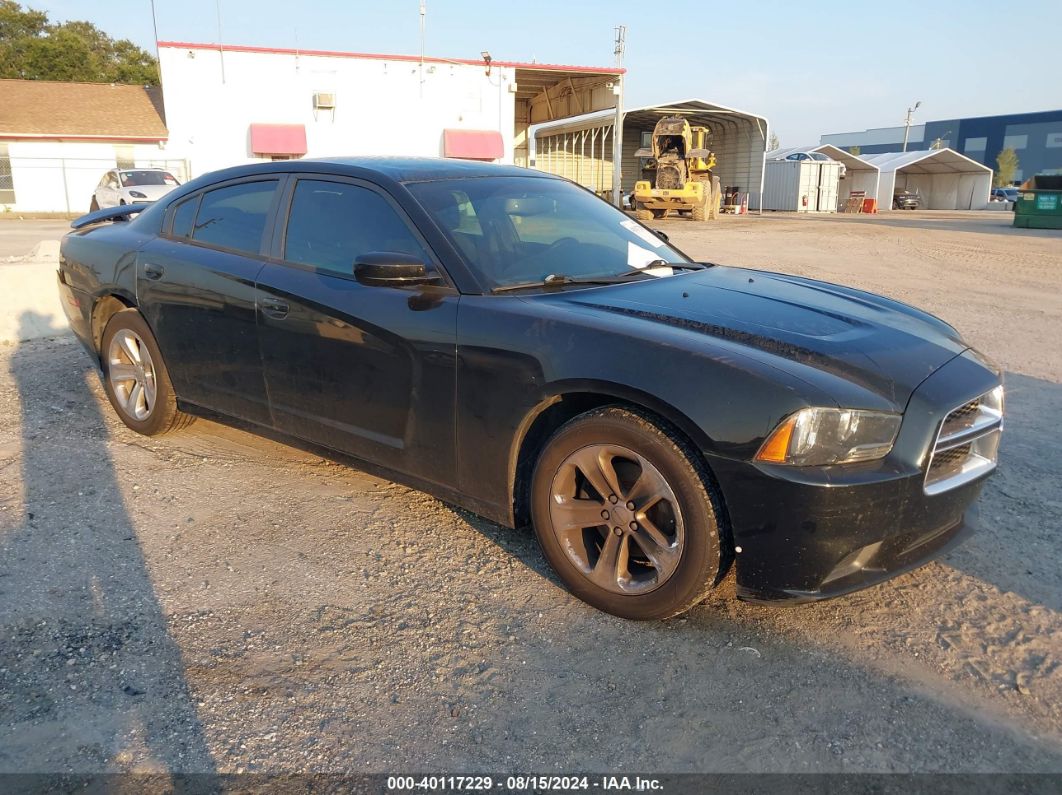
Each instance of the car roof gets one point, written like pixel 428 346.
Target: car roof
pixel 396 169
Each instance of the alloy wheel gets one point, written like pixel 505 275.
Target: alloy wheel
pixel 617 519
pixel 131 373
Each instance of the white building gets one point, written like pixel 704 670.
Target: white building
pixel 231 104
pixel 226 105
pixel 58 139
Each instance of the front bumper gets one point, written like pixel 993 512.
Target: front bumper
pixel 812 533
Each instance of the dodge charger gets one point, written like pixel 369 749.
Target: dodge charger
pixel 507 341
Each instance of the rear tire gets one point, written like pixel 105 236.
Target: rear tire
pixel 135 377
pixel 659 550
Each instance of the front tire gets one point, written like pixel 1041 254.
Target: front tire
pixel 626 515
pixel 642 213
pixel 135 377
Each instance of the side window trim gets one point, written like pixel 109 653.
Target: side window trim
pixel 271 214
pixel 283 216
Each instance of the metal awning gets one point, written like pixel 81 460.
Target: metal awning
pixel 278 139
pixel 473 144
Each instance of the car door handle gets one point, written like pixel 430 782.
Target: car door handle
pixel 274 308
pixel 153 272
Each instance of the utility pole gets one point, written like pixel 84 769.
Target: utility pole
pixel 221 42
pixel 155 28
pixel 617 125
pixel 907 123
pixel 423 14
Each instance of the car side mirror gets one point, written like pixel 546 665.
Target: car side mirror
pixel 391 269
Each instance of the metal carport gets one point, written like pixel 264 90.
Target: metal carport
pixel 860 174
pixel 945 179
pixel 580 148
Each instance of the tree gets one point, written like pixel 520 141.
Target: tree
pixel 855 150
pixel 32 48
pixel 773 143
pixel 1006 167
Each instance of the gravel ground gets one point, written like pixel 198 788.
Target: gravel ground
pixel 221 601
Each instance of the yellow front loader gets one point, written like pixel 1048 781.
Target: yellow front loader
pixel 677 176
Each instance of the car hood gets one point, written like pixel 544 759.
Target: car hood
pixel 879 344
pixel 152 192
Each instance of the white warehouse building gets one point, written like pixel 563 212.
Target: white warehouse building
pixel 228 104
pixel 224 105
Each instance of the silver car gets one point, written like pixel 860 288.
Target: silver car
pixel 132 186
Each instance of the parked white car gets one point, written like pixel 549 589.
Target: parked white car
pixel 132 186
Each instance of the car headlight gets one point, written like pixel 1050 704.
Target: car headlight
pixel 137 194
pixel 820 436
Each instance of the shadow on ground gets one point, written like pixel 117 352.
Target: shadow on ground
pixel 90 679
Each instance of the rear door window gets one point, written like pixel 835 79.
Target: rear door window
pixel 235 217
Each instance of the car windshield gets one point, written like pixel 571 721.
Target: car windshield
pixel 513 230
pixel 133 178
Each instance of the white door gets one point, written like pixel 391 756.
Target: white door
pixel 809 186
pixel 827 193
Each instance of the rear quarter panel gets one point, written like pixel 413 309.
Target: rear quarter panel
pixel 96 262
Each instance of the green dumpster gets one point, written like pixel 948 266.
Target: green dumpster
pixel 1039 204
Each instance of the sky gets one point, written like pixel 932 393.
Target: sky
pixel 810 68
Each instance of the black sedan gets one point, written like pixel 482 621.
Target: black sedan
pixel 509 342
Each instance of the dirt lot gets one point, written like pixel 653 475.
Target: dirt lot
pixel 218 601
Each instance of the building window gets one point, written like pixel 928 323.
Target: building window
pixel 1054 140
pixel 7 184
pixel 1015 141
pixel 123 156
pixel 975 144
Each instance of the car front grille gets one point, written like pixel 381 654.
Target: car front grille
pixel 967 444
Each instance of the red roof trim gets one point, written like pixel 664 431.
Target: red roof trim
pixel 65 137
pixel 186 45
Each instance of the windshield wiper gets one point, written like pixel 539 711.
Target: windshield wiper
pixel 557 279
